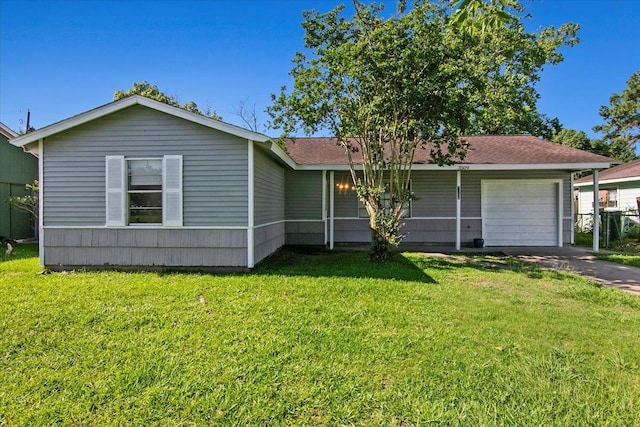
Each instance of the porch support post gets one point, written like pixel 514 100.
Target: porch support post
pixel 560 214
pixel 331 207
pixel 458 208
pixel 324 205
pixel 250 205
pixel 596 213
pixel 573 210
pixel 40 225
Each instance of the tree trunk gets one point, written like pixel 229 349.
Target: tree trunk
pixel 380 247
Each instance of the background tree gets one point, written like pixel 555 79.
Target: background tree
pixel 480 16
pixel 580 140
pixel 151 91
pixel 622 120
pixel 386 87
pixel 246 111
pixel 28 203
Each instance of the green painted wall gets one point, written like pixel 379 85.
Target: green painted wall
pixel 17 168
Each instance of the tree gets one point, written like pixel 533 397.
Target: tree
pixel 580 140
pixel 481 16
pixel 151 91
pixel 247 113
pixel 622 120
pixel 386 87
pixel 29 202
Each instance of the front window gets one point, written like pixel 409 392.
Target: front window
pixel 608 198
pixel 144 191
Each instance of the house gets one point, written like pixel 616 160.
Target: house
pixel 140 183
pixel 618 191
pixel 17 169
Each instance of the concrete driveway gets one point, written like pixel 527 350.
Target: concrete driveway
pixel 579 260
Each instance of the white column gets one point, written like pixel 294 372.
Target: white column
pixel 596 213
pixel 573 210
pixel 40 224
pixel 458 208
pixel 250 204
pixel 560 214
pixel 331 207
pixel 324 205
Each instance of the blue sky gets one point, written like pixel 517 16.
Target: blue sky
pixel 60 58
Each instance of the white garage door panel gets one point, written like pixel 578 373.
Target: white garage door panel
pixel 520 213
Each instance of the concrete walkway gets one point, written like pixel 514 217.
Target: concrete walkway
pixel 581 261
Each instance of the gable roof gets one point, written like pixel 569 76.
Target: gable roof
pixel 6 131
pixel 625 172
pixel 129 101
pixel 484 152
pixel 488 152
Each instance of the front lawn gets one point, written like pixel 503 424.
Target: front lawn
pixel 624 252
pixel 317 339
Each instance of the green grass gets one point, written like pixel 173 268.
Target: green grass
pixel 621 258
pixel 625 252
pixel 318 340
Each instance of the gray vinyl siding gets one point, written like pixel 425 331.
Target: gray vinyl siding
pixel 303 194
pixel 345 200
pixel 105 247
pixel 436 230
pixel 267 240
pixel 268 189
pixel 435 192
pixel 305 233
pixel 214 167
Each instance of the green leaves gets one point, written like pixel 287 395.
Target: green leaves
pixel 29 202
pixel 153 92
pixel 622 120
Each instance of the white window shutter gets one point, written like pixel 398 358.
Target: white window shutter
pixel 172 191
pixel 115 190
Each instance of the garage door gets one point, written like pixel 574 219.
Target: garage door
pixel 520 212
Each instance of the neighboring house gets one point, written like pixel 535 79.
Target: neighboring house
pixel 17 169
pixel 618 191
pixel 140 183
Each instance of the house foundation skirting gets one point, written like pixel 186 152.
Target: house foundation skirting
pixel 106 247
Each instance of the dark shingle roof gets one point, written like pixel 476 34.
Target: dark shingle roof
pixel 626 170
pixel 485 149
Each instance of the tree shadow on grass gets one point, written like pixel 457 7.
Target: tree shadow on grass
pixel 409 266
pixel 352 264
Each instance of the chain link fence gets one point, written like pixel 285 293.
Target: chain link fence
pixel 615 226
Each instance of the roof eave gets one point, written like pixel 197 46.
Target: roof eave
pixel 608 181
pixel 479 167
pixel 6 131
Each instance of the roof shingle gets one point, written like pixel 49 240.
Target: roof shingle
pixel 484 149
pixel 625 170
